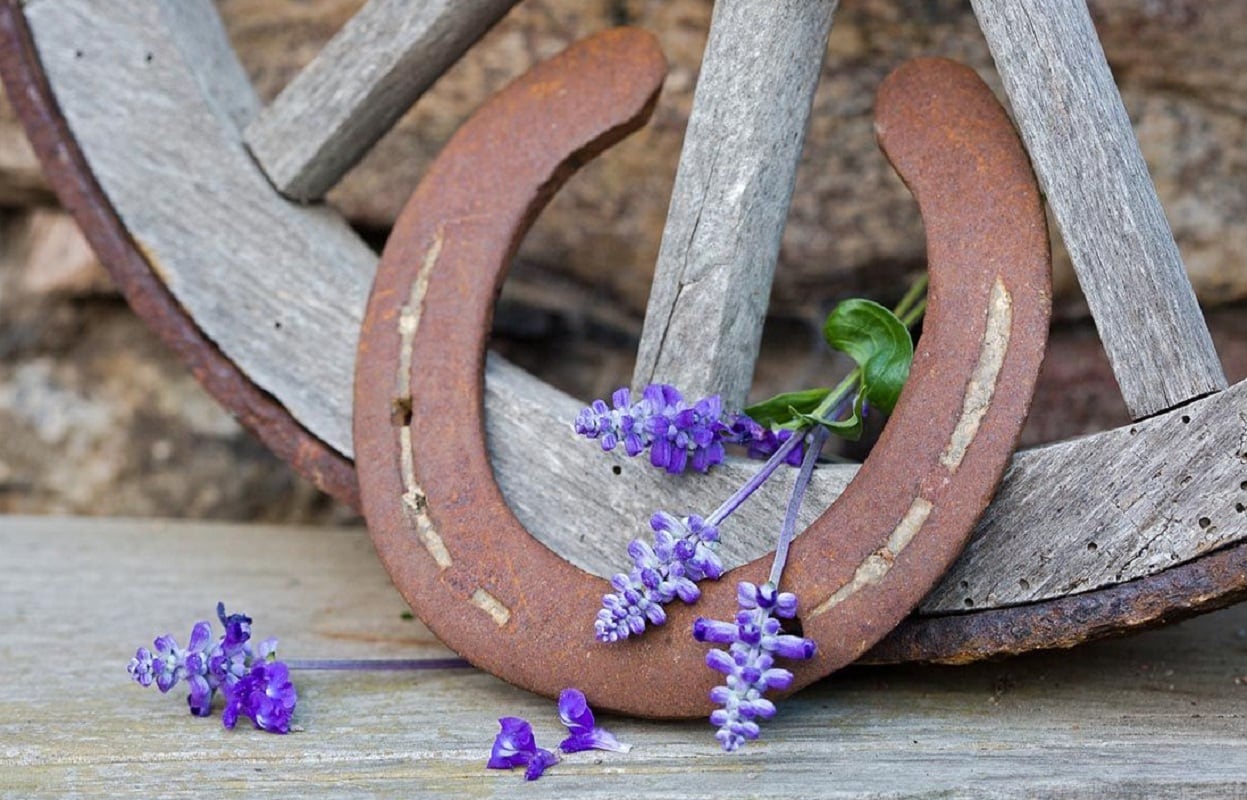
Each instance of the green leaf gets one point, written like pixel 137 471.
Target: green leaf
pixel 880 344
pixel 849 428
pixel 783 409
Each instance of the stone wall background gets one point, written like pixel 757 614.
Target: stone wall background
pixel 97 418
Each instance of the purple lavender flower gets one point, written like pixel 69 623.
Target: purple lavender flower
pixel 678 434
pixel 754 641
pixel 514 746
pixel 265 695
pixel 683 552
pixel 575 713
pixel 542 759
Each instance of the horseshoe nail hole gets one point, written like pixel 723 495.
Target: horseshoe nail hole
pixel 1092 547
pixel 1204 522
pixel 400 412
pixel 1186 420
pixel 618 470
pixel 1024 584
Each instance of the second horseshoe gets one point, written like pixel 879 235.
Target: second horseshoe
pixel 500 598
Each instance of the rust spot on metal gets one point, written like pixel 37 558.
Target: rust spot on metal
pixel 987 236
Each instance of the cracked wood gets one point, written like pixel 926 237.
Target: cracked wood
pixel 731 196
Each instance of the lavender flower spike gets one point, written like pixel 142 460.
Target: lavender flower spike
pixel 575 713
pixel 683 552
pixel 677 434
pixel 754 641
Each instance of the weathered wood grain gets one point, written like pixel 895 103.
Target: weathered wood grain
pixel 1159 715
pixel 238 258
pixel 731 196
pixel 1087 158
pixel 1107 508
pixel 357 87
pixel 280 289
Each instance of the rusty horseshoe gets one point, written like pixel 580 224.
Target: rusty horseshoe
pixel 511 606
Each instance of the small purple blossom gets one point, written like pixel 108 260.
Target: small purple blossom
pixel 542 759
pixel 683 553
pixel 677 433
pixel 575 713
pixel 265 695
pixel 754 641
pixel 514 746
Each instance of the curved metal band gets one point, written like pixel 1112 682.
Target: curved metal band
pixel 499 597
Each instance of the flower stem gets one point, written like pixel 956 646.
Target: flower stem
pixel 817 437
pixel 732 503
pixel 376 664
pixel 916 290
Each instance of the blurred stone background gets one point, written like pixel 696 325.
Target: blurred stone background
pixel 96 417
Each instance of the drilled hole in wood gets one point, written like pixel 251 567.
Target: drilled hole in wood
pixel 1243 486
pixel 965 584
pixel 1186 420
pixel 618 470
pixel 1092 547
pixel 1024 584
pixel 1133 431
pixel 969 602
pixel 400 412
pixel 1239 507
pixel 1204 522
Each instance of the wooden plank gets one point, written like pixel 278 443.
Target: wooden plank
pixel 1093 512
pixel 730 201
pixel 171 160
pixel 1089 165
pixel 357 87
pixel 1046 725
pixel 280 289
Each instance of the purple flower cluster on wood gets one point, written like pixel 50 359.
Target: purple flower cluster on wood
pixel 754 641
pixel 254 683
pixel 516 746
pixel 683 553
pixel 677 433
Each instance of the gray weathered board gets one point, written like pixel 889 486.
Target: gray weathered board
pixel 358 86
pixel 280 288
pixel 738 166
pixel 1161 715
pixel 1089 165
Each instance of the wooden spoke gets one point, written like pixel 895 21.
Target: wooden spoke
pixel 731 196
pixel 357 87
pixel 1087 158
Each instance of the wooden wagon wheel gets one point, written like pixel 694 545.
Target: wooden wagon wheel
pixel 142 117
